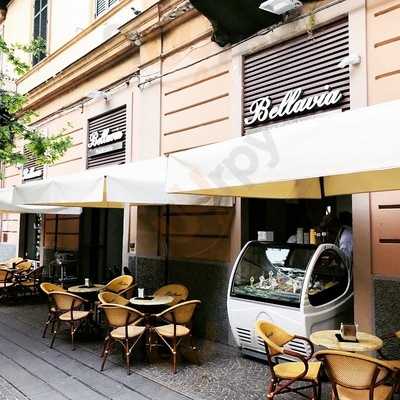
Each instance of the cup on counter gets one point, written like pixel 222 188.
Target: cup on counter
pixel 87 282
pixel 140 292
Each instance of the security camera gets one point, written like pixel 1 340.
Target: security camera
pixel 350 60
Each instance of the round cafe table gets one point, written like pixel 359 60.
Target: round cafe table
pixel 366 341
pixel 156 301
pixel 82 290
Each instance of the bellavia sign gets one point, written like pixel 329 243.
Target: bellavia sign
pixel 262 110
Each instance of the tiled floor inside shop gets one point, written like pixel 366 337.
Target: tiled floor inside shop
pixel 30 369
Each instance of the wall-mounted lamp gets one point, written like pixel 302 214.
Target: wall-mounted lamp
pixel 135 11
pixel 99 94
pixel 350 60
pixel 280 6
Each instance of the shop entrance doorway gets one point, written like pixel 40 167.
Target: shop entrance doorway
pixel 31 227
pixel 101 233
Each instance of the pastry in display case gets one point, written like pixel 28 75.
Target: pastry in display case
pixel 301 287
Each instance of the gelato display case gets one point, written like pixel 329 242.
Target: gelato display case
pixel 302 288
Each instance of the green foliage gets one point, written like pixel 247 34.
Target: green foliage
pixel 16 120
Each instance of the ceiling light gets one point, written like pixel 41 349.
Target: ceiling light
pixel 280 6
pixel 99 94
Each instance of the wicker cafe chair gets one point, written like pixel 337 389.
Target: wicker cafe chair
pixel 393 363
pixel 177 291
pixel 110 298
pixel 356 376
pixel 68 309
pixel 11 262
pixel 123 329
pixel 31 281
pixel 285 375
pixel 7 283
pixel 24 266
pixel 179 325
pixel 47 288
pixel 121 284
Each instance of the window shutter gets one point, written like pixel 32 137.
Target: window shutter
pixel 101 6
pixel 32 170
pixel 114 151
pixel 304 63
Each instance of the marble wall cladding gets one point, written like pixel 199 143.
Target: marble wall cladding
pixel 206 281
pixel 7 251
pixel 387 319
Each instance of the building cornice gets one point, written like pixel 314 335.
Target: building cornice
pixel 147 25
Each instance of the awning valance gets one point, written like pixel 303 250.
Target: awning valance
pixel 136 183
pixel 7 205
pixel 333 154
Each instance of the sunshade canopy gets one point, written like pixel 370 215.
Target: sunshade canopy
pixel 333 154
pixel 136 183
pixel 7 205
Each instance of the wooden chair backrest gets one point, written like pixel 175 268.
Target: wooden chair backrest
pixel 177 291
pixel 181 313
pixel 119 284
pixel 24 266
pixel 118 316
pixel 274 336
pixel 65 301
pixel 352 370
pixel 48 287
pixel 112 298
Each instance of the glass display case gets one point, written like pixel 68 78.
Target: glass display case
pixel 272 273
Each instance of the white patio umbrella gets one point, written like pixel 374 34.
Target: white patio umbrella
pixel 7 205
pixel 136 183
pixel 338 153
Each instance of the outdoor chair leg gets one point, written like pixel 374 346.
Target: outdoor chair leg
pixel 49 318
pixel 55 333
pixel 107 351
pixel 271 390
pixel 127 355
pixel 174 355
pixel 72 336
pixel 107 338
pixel 315 393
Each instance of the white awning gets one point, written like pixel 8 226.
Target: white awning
pixel 7 206
pixel 136 183
pixel 337 153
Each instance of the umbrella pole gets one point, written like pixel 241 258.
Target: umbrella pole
pixel 167 227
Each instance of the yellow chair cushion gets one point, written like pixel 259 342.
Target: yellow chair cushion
pixel 133 330
pixel 291 370
pixel 168 330
pixel 380 393
pixel 77 315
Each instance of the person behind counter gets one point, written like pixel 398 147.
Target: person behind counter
pixel 345 236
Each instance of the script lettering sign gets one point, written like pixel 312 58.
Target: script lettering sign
pixel 31 173
pixel 262 109
pixel 100 138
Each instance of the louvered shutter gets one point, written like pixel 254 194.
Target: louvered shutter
pixel 112 152
pixel 32 170
pixel 101 6
pixel 308 63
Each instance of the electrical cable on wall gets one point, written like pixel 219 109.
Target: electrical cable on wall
pixel 152 77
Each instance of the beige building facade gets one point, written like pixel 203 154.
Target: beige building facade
pixel 171 88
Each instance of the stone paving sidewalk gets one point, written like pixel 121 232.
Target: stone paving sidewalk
pixel 30 369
